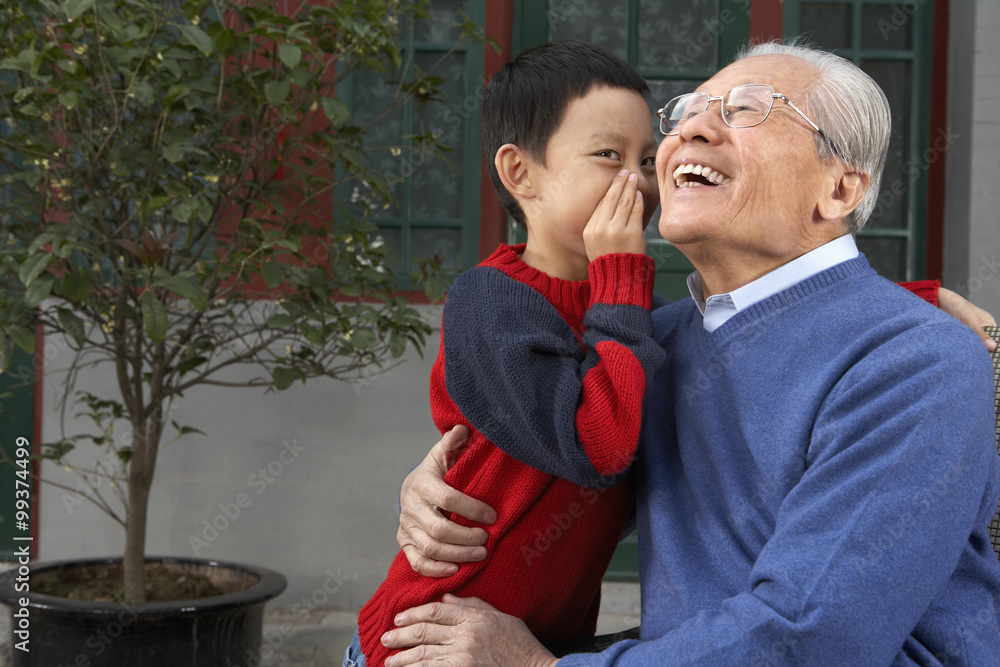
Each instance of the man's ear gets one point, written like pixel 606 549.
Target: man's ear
pixel 843 194
pixel 514 168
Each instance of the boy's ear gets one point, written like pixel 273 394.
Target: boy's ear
pixel 843 195
pixel 514 169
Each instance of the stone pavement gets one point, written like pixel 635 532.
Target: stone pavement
pixel 319 640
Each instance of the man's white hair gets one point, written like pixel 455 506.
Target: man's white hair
pixel 850 109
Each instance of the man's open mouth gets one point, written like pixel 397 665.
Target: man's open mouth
pixel 689 175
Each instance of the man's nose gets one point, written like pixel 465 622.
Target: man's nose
pixel 707 126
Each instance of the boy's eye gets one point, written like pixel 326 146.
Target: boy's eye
pixel 613 155
pixel 649 162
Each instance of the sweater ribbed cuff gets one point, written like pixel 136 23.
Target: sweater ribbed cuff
pixel 622 278
pixel 925 289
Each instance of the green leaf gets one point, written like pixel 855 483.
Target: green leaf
pixel 397 345
pixel 283 377
pixel 69 99
pixel 190 364
pixel 184 430
pixel 33 267
pixel 290 54
pixel 183 211
pixel 38 291
pixel 154 316
pixel 280 320
pixel 336 111
pixel 277 91
pixel 73 325
pixel 184 288
pixel 76 288
pixel 74 8
pixel 174 154
pixel 198 37
pixel 364 339
pixel 435 288
pixel 22 336
pixel 272 274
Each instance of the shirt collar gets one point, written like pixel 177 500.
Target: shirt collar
pixel 720 307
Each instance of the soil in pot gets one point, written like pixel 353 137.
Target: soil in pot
pixel 104 583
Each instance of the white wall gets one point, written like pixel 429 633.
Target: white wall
pixel 972 202
pixel 326 521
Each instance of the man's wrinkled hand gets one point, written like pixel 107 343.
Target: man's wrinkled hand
pixel 463 632
pixel 432 543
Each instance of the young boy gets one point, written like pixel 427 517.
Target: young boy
pixel 546 350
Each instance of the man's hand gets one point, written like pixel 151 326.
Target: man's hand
pixel 463 632
pixel 971 316
pixel 616 225
pixel 432 543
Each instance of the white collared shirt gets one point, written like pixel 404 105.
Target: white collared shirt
pixel 720 307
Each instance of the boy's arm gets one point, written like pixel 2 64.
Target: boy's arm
pixel 515 370
pixel 529 387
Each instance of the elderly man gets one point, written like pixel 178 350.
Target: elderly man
pixel 819 466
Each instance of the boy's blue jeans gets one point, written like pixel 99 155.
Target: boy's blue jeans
pixel 354 657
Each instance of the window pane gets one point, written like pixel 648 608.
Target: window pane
pixel 886 27
pixel 371 97
pixel 887 256
pixel 827 25
pixel 681 37
pixel 446 244
pixel 595 21
pixel 437 181
pixel 897 179
pixel 441 26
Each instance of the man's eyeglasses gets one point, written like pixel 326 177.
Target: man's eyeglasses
pixel 743 106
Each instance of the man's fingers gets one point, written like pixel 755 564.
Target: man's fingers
pixel 988 340
pixel 473 603
pixel 464 506
pixel 427 567
pixel 451 444
pixel 427 618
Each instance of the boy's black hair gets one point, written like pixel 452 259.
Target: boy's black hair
pixel 526 100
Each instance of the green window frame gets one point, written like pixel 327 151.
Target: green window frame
pixel 403 226
pixel 880 36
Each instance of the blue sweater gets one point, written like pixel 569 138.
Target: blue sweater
pixel 815 484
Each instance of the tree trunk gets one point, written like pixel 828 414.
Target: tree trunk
pixel 134 561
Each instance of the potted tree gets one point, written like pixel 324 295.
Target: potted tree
pixel 183 191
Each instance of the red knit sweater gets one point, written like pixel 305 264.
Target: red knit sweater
pixel 553 539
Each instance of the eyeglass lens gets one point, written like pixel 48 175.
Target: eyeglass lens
pixel 743 106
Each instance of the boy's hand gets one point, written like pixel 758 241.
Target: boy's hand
pixel 968 314
pixel 616 225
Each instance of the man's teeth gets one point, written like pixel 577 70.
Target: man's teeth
pixel 707 173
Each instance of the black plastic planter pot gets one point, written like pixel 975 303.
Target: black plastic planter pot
pixel 220 631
